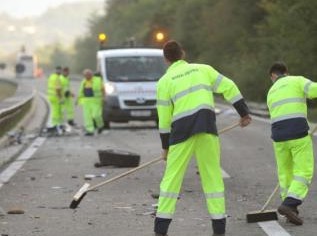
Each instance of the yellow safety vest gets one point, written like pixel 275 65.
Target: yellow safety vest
pixel 286 101
pixel 185 101
pixel 96 86
pixel 54 83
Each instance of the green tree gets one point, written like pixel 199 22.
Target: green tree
pixel 239 38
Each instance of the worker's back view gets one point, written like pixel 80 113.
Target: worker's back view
pixel 292 144
pixel 187 124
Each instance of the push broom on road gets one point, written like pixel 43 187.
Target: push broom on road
pixel 81 193
pixel 263 214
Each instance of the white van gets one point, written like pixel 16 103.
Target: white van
pixel 130 76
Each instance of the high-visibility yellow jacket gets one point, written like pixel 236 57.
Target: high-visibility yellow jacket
pixel 91 88
pixel 65 84
pixel 185 101
pixel 286 101
pixel 53 84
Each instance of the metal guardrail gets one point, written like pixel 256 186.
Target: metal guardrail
pixel 13 108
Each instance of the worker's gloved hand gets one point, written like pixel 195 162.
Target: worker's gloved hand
pixel 245 121
pixel 164 154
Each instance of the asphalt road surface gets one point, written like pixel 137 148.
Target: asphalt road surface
pixel 45 184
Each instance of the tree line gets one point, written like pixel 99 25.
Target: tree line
pixel 241 39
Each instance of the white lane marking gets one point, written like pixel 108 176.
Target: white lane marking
pixel 272 228
pixel 10 171
pixel 224 174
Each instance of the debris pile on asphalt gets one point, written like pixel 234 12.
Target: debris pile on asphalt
pixel 15 210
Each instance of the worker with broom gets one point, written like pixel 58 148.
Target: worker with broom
pixel 187 126
pixel 292 144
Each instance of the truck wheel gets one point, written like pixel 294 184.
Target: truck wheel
pixel 119 158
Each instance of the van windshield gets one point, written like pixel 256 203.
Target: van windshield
pixel 138 68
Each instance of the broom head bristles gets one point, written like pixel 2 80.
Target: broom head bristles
pixel 259 216
pixel 79 196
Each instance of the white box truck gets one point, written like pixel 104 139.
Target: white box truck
pixel 130 76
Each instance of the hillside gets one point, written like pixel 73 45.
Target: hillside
pixel 60 24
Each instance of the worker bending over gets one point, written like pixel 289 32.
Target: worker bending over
pixel 187 126
pixel 292 144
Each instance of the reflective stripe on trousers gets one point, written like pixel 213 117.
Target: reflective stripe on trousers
pixel 295 163
pixel 206 149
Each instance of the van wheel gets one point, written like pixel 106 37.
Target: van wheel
pixel 119 158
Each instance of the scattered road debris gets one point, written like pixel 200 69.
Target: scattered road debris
pixel 91 176
pixel 15 210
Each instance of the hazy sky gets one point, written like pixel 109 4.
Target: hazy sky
pixel 22 8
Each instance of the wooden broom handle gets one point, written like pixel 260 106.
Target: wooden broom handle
pixel 125 173
pixel 148 163
pixel 270 197
pixel 229 127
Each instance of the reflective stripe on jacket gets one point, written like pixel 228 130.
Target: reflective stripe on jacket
pixel 286 101
pixel 185 101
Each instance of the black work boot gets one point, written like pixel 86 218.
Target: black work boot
pixel 290 211
pixel 296 212
pixel 161 226
pixel 291 214
pixel 71 123
pixel 219 227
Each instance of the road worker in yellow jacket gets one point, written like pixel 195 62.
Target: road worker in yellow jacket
pixel 90 95
pixel 292 144
pixel 97 75
pixel 56 99
pixel 68 105
pixel 187 126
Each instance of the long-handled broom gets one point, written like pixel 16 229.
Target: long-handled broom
pixel 267 215
pixel 86 187
pixel 81 193
pixel 263 214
